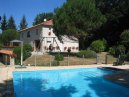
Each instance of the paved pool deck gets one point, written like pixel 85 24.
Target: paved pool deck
pixel 6 73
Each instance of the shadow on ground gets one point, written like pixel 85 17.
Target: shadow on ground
pixel 6 89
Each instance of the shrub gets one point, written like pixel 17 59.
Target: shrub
pixel 9 35
pixel 27 47
pixel 87 54
pixel 59 57
pixel 125 38
pixel 117 50
pixel 55 63
pixel 120 50
pixel 1 46
pixel 105 44
pixel 26 52
pixel 98 46
pixel 112 50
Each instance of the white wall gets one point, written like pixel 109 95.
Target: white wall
pixel 73 46
pixel 48 33
pixel 33 36
pixel 49 39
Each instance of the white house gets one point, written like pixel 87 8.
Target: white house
pixel 42 38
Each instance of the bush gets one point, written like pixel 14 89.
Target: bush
pixel 125 38
pixel 117 50
pixel 27 47
pixel 26 52
pixel 1 46
pixel 87 54
pixel 98 46
pixel 112 50
pixel 55 63
pixel 59 57
pixel 9 35
pixel 120 50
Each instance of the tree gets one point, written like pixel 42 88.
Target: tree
pixel 98 46
pixel 27 49
pixel 117 13
pixel 125 39
pixel 23 23
pixel 40 18
pixel 4 23
pixel 9 35
pixel 78 18
pixel 11 23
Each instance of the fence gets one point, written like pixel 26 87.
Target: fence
pixel 48 60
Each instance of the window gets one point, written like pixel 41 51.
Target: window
pixel 28 34
pixel 50 29
pixel 48 41
pixel 49 33
pixel 37 30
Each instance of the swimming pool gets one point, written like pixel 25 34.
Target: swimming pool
pixel 86 82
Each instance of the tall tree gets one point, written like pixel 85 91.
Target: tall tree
pixel 23 23
pixel 4 23
pixel 11 23
pixel 9 35
pixel 78 18
pixel 117 14
pixel 40 18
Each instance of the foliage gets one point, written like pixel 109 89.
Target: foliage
pixel 1 46
pixel 17 51
pixel 116 13
pixel 27 47
pixel 125 38
pixel 87 54
pixel 40 18
pixel 117 50
pixel 59 57
pixel 112 50
pixel 120 60
pixel 105 43
pixel 55 63
pixel 9 35
pixel 23 23
pixel 78 18
pixel 0 38
pixel 26 52
pixel 11 23
pixel 98 46
pixel 120 50
pixel 4 23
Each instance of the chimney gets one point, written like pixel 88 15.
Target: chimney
pixel 45 20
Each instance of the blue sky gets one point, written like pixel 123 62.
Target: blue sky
pixel 29 8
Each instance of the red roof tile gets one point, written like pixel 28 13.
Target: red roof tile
pixel 46 23
pixel 8 52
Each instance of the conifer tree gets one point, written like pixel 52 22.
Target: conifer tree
pixel 23 23
pixel 11 23
pixel 4 23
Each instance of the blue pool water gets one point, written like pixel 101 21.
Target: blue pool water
pixel 86 82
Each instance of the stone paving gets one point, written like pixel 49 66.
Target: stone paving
pixel 6 73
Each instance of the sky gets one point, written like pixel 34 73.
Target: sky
pixel 29 8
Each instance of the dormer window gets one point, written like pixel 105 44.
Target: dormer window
pixel 28 34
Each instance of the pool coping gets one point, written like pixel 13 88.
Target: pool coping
pixel 7 72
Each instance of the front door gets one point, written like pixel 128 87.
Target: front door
pixel 37 45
